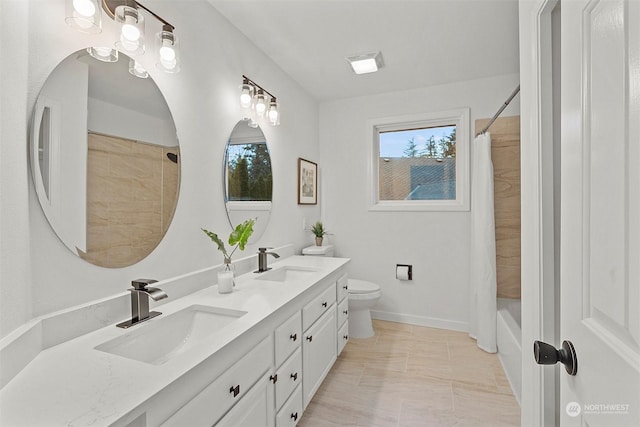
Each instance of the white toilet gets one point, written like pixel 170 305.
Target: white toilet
pixel 363 296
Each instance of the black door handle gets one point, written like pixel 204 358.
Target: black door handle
pixel 546 354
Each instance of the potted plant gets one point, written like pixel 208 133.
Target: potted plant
pixel 319 231
pixel 238 237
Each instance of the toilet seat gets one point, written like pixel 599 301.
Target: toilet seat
pixel 359 287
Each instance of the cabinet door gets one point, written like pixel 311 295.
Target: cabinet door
pixel 255 408
pixel 318 353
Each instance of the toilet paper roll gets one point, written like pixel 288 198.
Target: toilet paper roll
pixel 402 272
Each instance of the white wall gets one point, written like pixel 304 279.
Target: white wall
pixel 435 243
pixel 39 275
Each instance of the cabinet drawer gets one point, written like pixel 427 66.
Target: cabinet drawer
pixel 342 288
pixel 318 306
pixel 343 336
pixel 289 376
pixel 343 311
pixel 288 337
pixel 291 412
pixel 218 397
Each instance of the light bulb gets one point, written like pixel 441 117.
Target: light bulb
pixel 245 96
pixel 261 105
pixel 129 29
pixel 84 7
pixel 273 113
pixel 167 53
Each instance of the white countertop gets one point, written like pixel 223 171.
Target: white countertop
pixel 74 384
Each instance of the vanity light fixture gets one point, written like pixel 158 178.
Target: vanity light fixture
pixel 85 16
pixel 257 105
pixel 366 63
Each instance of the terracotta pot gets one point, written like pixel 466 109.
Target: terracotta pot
pixel 318 241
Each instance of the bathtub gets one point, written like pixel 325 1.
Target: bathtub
pixel 509 335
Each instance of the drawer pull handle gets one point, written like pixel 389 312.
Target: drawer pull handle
pixel 345 287
pixel 294 416
pixel 310 338
pixel 293 337
pixel 346 311
pixel 274 378
pixel 294 376
pixel 235 390
pixel 324 304
pixel 346 337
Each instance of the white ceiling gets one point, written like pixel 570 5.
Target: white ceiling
pixel 423 42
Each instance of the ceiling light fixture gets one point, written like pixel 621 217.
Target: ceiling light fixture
pixel 255 103
pixel 366 63
pixel 85 16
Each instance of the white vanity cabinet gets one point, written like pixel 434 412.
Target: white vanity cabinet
pixel 319 343
pixel 245 383
pixel 342 292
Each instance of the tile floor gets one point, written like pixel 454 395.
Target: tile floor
pixel 409 376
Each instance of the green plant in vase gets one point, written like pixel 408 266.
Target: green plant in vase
pixel 238 237
pixel 237 240
pixel 319 231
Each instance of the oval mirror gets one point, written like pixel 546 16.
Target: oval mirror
pixel 248 177
pixel 104 159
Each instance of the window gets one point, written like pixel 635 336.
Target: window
pixel 421 162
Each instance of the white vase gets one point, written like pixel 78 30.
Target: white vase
pixel 225 281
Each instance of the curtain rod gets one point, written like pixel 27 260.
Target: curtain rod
pixel 495 116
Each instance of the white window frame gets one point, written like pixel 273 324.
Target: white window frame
pixel 459 117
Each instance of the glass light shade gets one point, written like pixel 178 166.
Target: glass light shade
pixel 84 15
pixel 274 113
pixel 260 103
pixel 104 54
pixel 246 95
pixel 137 70
pixel 168 52
pixel 131 30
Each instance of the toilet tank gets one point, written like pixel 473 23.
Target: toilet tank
pixel 318 250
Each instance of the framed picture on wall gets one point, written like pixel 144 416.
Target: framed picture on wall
pixel 307 182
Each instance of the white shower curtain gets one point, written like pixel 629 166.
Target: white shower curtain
pixel 483 298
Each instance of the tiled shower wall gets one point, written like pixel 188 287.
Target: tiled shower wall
pixel 132 188
pixel 505 154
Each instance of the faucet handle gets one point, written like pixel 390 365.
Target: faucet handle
pixel 140 284
pixel 264 249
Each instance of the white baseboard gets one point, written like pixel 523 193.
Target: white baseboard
pixel 430 322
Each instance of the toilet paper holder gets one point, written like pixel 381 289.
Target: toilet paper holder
pixel 400 267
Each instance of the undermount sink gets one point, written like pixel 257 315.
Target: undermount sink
pixel 286 274
pixel 163 338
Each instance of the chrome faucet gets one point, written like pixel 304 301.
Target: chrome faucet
pixel 140 294
pixel 262 259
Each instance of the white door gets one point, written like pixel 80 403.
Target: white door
pixel 600 257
